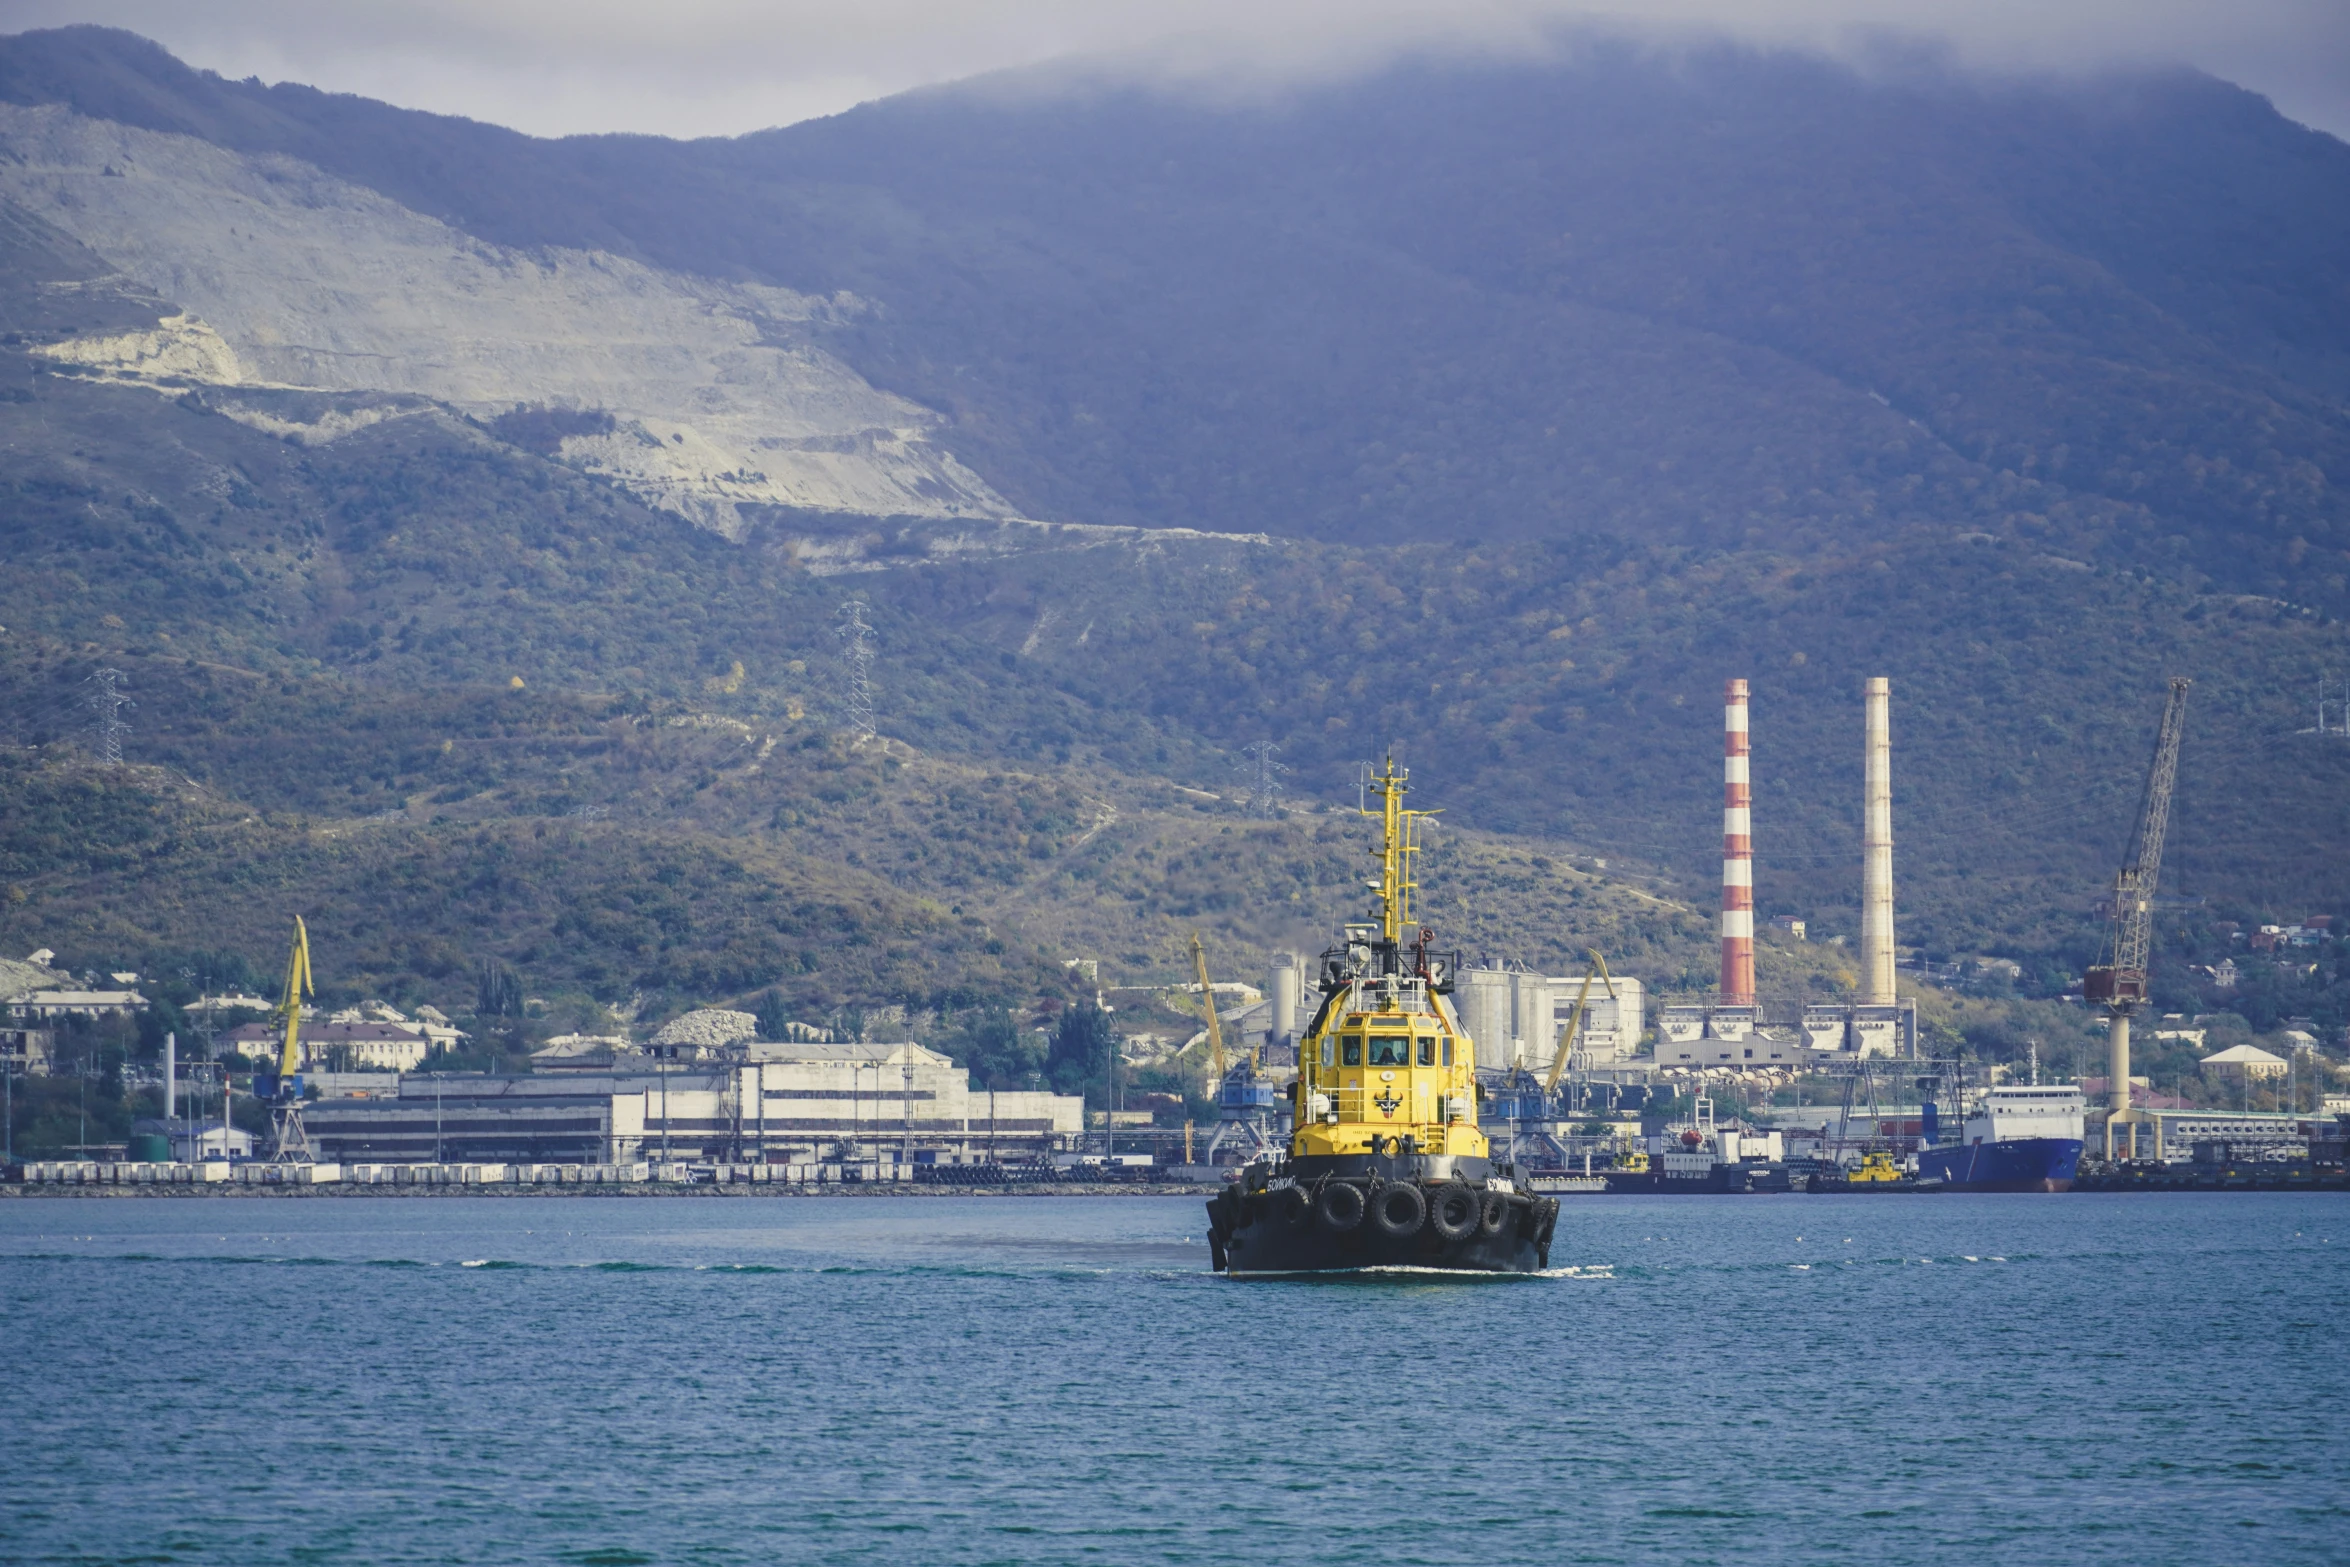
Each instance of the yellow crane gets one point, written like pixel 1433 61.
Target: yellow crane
pixel 1558 1063
pixel 290 1140
pixel 1207 1001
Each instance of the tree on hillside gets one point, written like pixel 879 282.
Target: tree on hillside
pixel 497 990
pixel 1079 1060
pixel 991 1047
pixel 774 1015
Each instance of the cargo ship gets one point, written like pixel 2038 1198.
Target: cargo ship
pixel 1694 1163
pixel 1385 1166
pixel 2016 1139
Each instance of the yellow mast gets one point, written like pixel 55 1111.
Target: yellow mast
pixel 1398 842
pixel 289 1056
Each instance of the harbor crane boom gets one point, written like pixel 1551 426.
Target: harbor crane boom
pixel 1558 1063
pixel 290 1139
pixel 1207 1003
pixel 2118 982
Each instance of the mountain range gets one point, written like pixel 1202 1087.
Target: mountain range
pixel 433 484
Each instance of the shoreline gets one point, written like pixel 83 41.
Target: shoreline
pixel 31 1192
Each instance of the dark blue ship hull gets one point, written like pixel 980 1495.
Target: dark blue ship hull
pixel 2027 1164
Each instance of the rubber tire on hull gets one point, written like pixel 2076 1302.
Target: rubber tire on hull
pixel 1494 1213
pixel 1341 1207
pixel 1294 1207
pixel 1453 1211
pixel 1390 1222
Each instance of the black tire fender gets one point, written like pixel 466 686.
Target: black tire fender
pixel 1493 1213
pixel 1293 1207
pixel 1341 1207
pixel 1454 1211
pixel 1400 1209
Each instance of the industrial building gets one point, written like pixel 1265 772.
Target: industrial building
pixel 794 1103
pixel 26 1052
pixel 1863 1028
pixel 1612 1023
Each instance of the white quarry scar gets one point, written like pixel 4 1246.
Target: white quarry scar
pixel 287 277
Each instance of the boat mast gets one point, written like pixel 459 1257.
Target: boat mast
pixel 1398 842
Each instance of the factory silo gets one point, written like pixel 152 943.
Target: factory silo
pixel 1284 988
pixel 1533 1029
pixel 1484 999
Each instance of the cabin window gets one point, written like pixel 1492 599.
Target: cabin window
pixel 1352 1049
pixel 1427 1052
pixel 1391 1050
pixel 1448 1050
pixel 1329 1049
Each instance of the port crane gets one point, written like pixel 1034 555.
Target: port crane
pixel 1521 1097
pixel 1558 1063
pixel 289 1139
pixel 1243 1101
pixel 2117 982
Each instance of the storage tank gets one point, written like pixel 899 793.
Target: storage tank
pixel 1284 986
pixel 1484 998
pixel 1533 1021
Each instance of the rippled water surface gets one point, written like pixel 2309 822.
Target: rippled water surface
pixel 608 1381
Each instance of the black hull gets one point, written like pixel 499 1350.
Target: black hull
pixel 1266 1226
pixel 1722 1179
pixel 1270 1246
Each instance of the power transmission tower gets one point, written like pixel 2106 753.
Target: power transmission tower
pixel 107 701
pixel 856 698
pixel 2340 703
pixel 1262 775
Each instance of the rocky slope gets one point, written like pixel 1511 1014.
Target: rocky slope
pixel 701 397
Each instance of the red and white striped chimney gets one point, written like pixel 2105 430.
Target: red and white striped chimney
pixel 1737 854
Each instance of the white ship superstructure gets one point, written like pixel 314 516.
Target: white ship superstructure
pixel 2013 1114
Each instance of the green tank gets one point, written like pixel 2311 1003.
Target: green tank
pixel 150 1148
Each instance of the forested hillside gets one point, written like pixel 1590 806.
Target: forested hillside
pixel 1510 410
pixel 1715 297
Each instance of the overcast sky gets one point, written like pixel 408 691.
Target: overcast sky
pixel 718 67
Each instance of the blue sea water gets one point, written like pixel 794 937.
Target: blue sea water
pixel 2141 1379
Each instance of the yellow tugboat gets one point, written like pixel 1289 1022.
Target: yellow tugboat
pixel 1386 1167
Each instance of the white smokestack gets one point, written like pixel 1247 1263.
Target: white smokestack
pixel 1876 876
pixel 171 1087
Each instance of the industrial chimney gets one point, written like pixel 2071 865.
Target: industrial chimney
pixel 1737 854
pixel 1876 838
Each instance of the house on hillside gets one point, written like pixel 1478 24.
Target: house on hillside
pixel 377 1047
pixel 49 1005
pixel 26 1052
pixel 2250 1060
